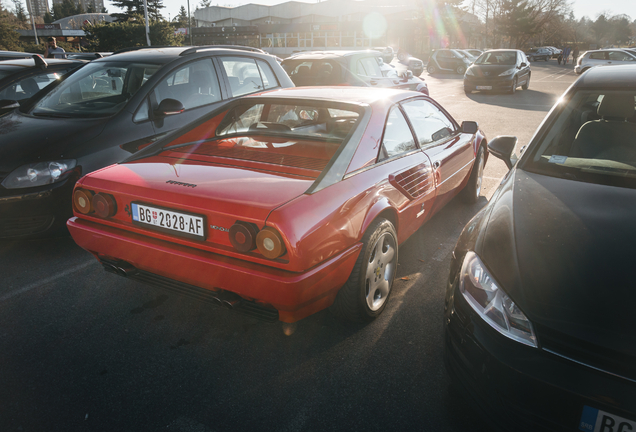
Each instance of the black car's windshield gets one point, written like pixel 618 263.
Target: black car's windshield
pixel 497 58
pixel 4 73
pixel 592 138
pixel 99 89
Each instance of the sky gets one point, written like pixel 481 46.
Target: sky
pixel 581 8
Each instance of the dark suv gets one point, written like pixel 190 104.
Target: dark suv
pixel 106 110
pixel 355 68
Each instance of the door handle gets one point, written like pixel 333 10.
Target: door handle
pixel 373 82
pixel 436 164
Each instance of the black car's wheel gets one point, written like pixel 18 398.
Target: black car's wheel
pixel 513 88
pixel 546 58
pixel 472 191
pixel 364 296
pixel 460 69
pixel 526 84
pixel 531 58
pixel 431 69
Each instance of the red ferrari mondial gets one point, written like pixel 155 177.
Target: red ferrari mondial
pixel 284 203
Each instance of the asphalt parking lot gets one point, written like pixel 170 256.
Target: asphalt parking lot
pixel 85 350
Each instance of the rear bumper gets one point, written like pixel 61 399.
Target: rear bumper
pixel 294 295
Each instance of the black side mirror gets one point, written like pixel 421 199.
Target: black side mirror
pixel 7 104
pixel 522 65
pixel 470 127
pixel 503 147
pixel 169 107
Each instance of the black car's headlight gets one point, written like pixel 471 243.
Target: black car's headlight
pixel 492 303
pixel 508 72
pixel 470 72
pixel 39 174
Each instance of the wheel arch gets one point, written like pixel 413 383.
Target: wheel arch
pixel 381 209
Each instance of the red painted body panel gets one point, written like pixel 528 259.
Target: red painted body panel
pixel 295 295
pixel 235 180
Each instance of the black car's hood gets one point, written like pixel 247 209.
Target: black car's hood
pixel 23 136
pixel 489 70
pixel 564 251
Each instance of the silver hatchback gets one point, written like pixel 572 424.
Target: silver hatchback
pixel 603 57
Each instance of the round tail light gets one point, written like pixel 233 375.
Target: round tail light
pixel 243 236
pixel 270 243
pixel 104 205
pixel 83 200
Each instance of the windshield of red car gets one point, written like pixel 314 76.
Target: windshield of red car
pixel 591 138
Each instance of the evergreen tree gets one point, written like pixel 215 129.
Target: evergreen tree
pixel 20 11
pixel 136 7
pixel 48 18
pixel 205 4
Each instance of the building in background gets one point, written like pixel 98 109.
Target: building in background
pixel 40 7
pixel 97 5
pixel 332 24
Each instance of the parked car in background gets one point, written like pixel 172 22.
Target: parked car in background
pixel 387 53
pixel 355 68
pixel 12 55
pixel 105 111
pixel 21 79
pixel 612 56
pixel 447 60
pixel 474 52
pixel 556 52
pixel 542 53
pixel 541 283
pixel 471 58
pixel 498 70
pixel 283 203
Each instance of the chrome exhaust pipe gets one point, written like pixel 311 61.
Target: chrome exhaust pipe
pixel 230 304
pixel 125 269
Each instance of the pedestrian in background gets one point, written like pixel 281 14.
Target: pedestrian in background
pixel 567 55
pixel 53 51
pixel 575 53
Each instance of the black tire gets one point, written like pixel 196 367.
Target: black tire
pixel 526 85
pixel 513 88
pixel 530 59
pixel 460 69
pixel 472 191
pixel 431 69
pixel 361 298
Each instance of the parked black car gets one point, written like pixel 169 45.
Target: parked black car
pixel 447 60
pixel 102 113
pixel 12 55
pixel 539 328
pixel 502 70
pixel 356 68
pixel 535 54
pixel 21 79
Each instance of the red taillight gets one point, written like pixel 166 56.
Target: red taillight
pixel 105 205
pixel 83 200
pixel 270 243
pixel 243 236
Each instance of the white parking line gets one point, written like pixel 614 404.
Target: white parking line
pixel 48 280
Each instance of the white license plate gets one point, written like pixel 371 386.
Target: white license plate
pixel 169 220
pixel 595 420
pixel 484 87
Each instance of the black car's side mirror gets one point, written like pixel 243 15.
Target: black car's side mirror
pixel 7 104
pixel 503 147
pixel 522 65
pixel 470 127
pixel 169 107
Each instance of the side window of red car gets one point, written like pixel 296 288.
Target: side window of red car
pixel 397 137
pixel 428 121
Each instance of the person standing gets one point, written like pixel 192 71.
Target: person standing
pixel 567 54
pixel 53 51
pixel 575 53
